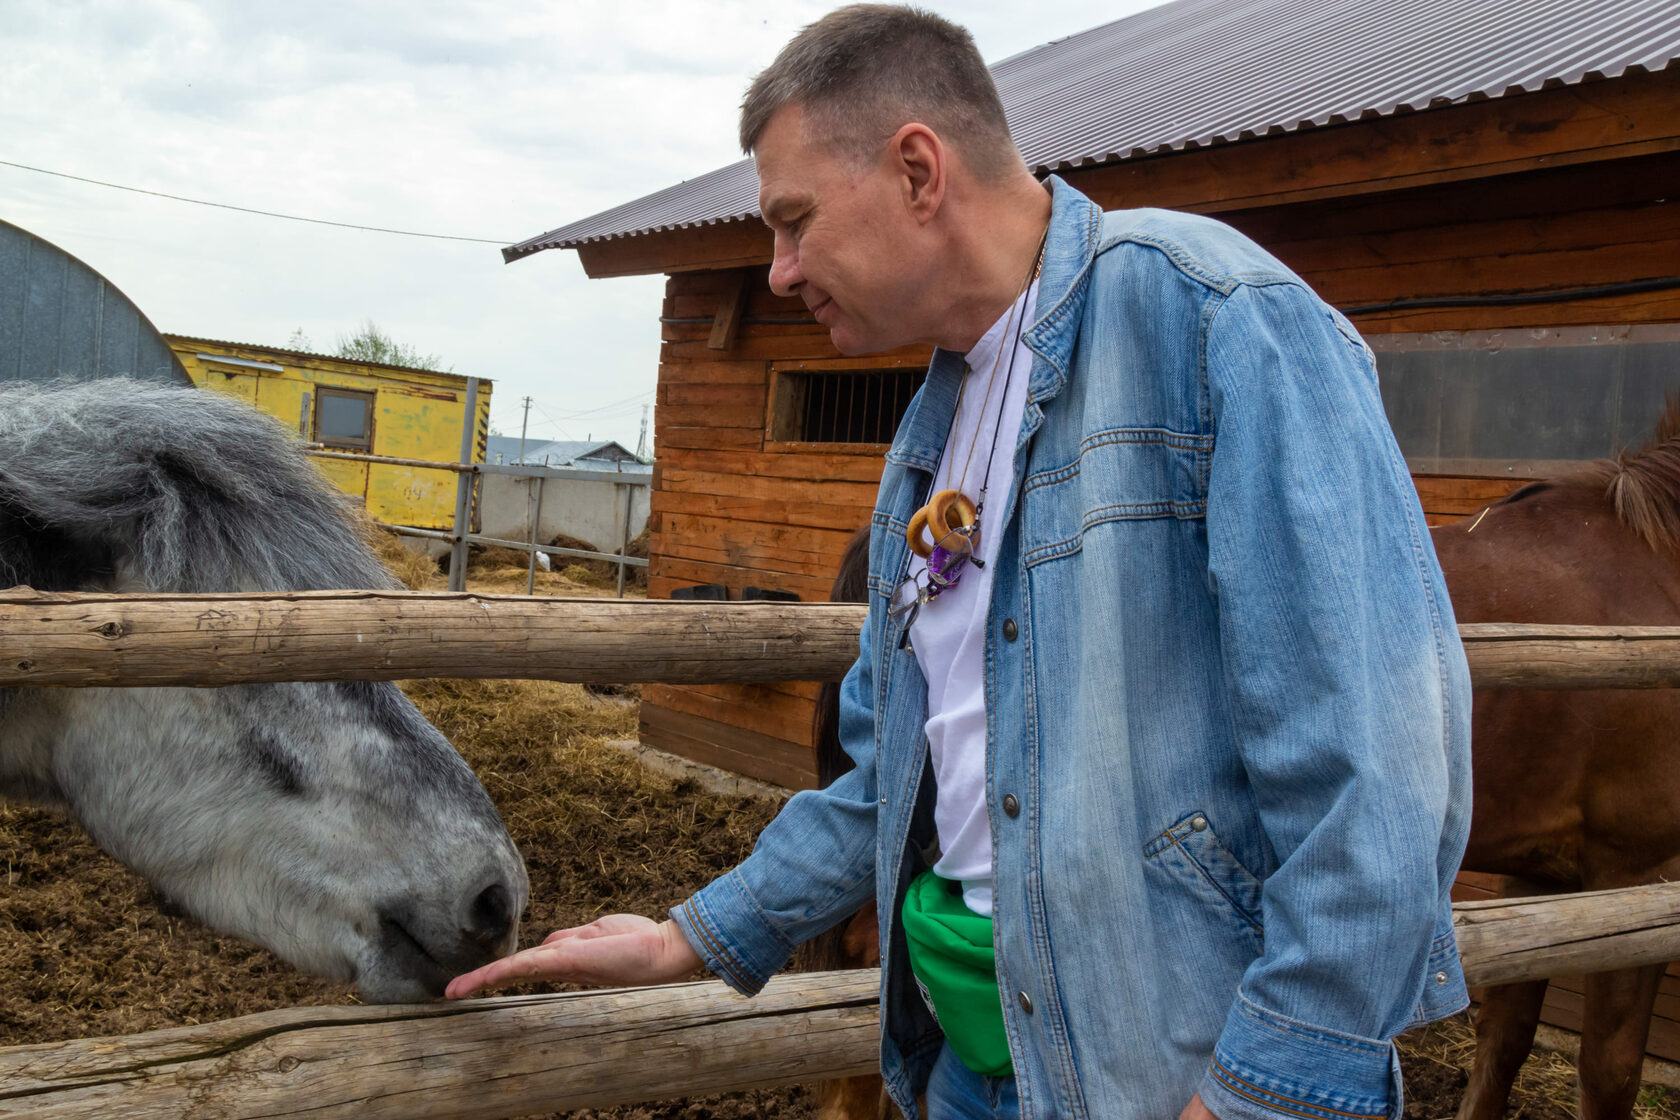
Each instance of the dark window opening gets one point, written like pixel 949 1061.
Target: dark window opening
pixel 344 418
pixel 843 406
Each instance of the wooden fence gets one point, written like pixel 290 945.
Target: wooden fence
pixel 504 1057
pixel 207 640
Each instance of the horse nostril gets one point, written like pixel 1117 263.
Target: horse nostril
pixel 491 915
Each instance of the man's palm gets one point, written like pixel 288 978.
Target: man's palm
pixel 619 950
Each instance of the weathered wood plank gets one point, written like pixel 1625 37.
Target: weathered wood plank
pixel 208 640
pixel 679 571
pixel 492 1058
pixel 480 1059
pixel 1646 307
pixel 748 413
pixel 1508 655
pixel 828 492
pixel 752 707
pixel 671 438
pixel 1503 941
pixel 726 321
pixel 202 640
pixel 805 511
pixel 738 750
pixel 838 466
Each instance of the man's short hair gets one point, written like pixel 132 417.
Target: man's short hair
pixel 864 71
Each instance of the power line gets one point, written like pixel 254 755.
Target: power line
pixel 263 213
pixel 627 403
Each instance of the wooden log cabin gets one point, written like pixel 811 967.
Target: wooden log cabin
pixel 1491 191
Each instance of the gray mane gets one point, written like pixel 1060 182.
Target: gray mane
pixel 164 489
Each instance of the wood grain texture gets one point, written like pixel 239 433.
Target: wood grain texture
pixel 1503 941
pixel 480 1059
pixel 492 1058
pixel 1509 655
pixel 206 640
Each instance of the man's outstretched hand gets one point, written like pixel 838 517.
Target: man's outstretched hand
pixel 617 951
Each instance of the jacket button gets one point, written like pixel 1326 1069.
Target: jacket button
pixel 1198 823
pixel 1011 806
pixel 1010 630
pixel 1026 1004
pixel 1440 978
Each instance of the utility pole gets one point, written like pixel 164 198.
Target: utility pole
pixel 522 423
pixel 641 443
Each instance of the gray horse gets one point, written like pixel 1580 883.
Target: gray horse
pixel 328 822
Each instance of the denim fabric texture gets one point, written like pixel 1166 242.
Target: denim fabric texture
pixel 955 1092
pixel 1234 719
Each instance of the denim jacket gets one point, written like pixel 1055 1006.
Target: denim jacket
pixel 1228 712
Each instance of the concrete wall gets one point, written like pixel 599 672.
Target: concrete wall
pixel 591 511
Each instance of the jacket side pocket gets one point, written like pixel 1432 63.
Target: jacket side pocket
pixel 1192 852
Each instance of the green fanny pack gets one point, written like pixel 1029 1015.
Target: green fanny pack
pixel 951 957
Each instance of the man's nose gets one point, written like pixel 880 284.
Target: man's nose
pixel 785 276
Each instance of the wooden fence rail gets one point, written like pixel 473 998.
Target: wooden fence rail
pixel 208 640
pixel 503 1057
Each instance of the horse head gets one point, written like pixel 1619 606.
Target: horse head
pixel 330 823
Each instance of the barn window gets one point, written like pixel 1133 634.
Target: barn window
pixel 344 418
pixel 1524 403
pixel 848 406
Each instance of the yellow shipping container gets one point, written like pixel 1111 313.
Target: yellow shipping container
pixel 360 407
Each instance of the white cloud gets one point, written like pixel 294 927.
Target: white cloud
pixel 496 119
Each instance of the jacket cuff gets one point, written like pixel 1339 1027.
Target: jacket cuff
pixel 1266 1066
pixel 732 935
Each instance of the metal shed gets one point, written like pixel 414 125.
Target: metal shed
pixel 61 319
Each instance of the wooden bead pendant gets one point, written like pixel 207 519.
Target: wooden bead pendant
pixel 946 511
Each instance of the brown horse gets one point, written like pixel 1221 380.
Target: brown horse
pixel 1574 790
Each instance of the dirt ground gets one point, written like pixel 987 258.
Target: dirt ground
pixel 88 949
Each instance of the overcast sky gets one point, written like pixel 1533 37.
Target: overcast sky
pixel 496 120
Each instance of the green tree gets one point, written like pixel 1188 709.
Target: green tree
pixel 370 344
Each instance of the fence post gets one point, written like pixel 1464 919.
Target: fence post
pixel 624 537
pixel 536 524
pixel 463 492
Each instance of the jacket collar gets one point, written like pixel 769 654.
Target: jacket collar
pixel 1071 246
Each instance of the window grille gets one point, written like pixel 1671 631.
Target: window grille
pixel 843 406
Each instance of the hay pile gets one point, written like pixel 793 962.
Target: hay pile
pixel 87 950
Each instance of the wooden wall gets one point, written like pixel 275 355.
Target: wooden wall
pixel 731 509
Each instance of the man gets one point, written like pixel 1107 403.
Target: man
pixel 1162 719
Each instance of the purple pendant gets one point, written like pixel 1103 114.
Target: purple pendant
pixel 945 568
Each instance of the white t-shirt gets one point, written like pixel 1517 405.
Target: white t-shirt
pixel 949 634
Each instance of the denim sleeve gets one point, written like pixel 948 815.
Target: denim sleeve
pixel 812 866
pixel 1346 672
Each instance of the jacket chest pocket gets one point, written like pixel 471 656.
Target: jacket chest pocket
pixel 1119 475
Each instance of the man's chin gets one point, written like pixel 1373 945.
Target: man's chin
pixel 852 343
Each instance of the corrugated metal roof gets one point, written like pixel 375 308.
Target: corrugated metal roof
pixel 597 454
pixel 60 318
pixel 1199 72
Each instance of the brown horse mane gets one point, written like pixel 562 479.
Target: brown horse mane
pixel 1644 486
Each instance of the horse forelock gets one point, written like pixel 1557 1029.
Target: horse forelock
pixel 179 489
pixel 1643 486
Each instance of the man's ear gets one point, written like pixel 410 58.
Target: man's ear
pixel 921 163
